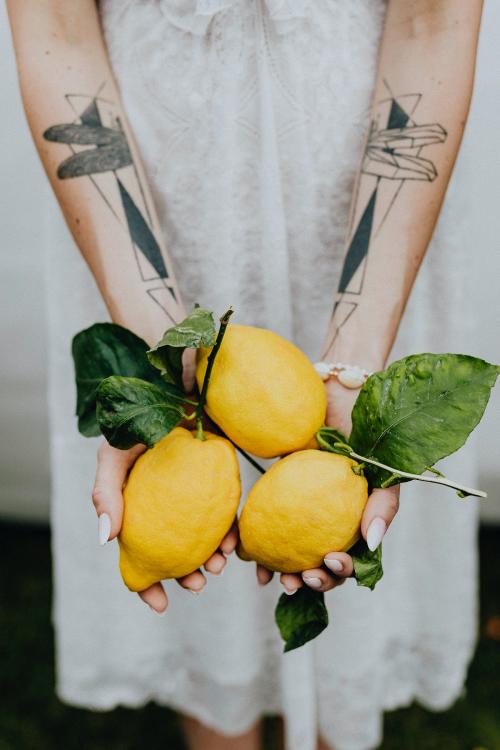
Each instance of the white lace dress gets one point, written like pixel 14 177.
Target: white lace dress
pixel 250 116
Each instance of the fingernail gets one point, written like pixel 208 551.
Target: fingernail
pixel 196 592
pixel 160 614
pixel 224 554
pixel 215 572
pixel 290 592
pixel 375 534
pixel 333 564
pixel 315 583
pixel 104 528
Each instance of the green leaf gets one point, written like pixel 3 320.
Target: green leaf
pixel 367 565
pixel 419 410
pixel 131 411
pixel 198 329
pixel 102 350
pixel 333 441
pixel 301 617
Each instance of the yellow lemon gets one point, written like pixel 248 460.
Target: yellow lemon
pixel 180 501
pixel 304 506
pixel 263 393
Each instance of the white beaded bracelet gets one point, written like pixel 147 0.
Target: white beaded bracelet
pixel 350 376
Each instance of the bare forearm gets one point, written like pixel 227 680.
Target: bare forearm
pixel 421 100
pixel 83 138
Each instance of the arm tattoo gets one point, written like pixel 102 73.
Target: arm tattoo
pixel 393 155
pixel 99 150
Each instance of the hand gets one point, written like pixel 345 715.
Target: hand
pixel 380 509
pixel 113 466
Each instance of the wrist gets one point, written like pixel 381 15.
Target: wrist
pixel 365 338
pixel 369 358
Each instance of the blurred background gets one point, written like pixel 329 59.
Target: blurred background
pixel 31 717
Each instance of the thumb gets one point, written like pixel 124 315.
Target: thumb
pixel 382 506
pixel 113 466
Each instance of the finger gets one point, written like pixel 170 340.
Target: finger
pixel 291 582
pixel 228 544
pixel 263 575
pixel 156 598
pixel 320 580
pixel 194 582
pixel 112 469
pixel 382 506
pixel 215 564
pixel 340 564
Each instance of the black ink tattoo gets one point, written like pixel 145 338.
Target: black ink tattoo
pixel 100 149
pixel 393 156
pixel 111 150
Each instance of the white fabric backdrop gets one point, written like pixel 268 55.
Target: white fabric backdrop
pixel 24 198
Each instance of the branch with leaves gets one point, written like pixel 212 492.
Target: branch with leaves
pixel 406 419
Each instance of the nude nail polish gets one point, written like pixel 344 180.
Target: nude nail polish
pixel 313 582
pixel 333 564
pixel 196 592
pixel 159 614
pixel 375 534
pixel 104 528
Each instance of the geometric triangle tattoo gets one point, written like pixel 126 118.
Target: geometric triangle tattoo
pixel 141 234
pixel 358 247
pixel 99 151
pixel 393 155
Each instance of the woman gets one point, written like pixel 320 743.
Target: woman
pixel 253 120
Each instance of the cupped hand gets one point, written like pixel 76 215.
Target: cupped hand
pixel 382 506
pixel 113 466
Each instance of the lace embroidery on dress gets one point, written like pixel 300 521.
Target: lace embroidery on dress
pixel 196 15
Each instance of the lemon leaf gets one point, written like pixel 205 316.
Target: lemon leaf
pixel 301 617
pixel 102 350
pixel 131 411
pixel 197 330
pixel 367 564
pixel 419 410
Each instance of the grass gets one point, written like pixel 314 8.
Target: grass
pixel 32 718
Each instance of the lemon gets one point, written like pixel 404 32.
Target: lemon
pixel 263 393
pixel 304 506
pixel 179 502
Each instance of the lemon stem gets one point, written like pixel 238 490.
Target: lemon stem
pixel 250 460
pixel 211 359
pixel 438 478
pixel 398 473
pixel 199 430
pixel 243 453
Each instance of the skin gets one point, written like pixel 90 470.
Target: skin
pixel 429 47
pixel 199 737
